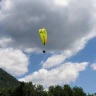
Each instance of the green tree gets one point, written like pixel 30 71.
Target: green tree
pixel 58 90
pixel 51 89
pixel 78 91
pixel 29 89
pixel 40 91
pixel 67 90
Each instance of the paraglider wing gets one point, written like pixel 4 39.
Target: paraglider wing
pixel 43 35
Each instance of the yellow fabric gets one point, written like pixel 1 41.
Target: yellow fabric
pixel 43 35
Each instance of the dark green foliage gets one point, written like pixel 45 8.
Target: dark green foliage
pixel 68 90
pixel 28 89
pixel 91 94
pixel 78 91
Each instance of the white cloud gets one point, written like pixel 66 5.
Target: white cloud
pixel 6 3
pixel 4 42
pixel 93 66
pixel 53 61
pixel 31 50
pixel 14 61
pixel 61 2
pixel 6 6
pixel 65 73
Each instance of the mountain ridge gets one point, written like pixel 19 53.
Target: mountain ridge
pixel 7 80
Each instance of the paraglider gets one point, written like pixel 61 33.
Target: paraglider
pixel 44 51
pixel 43 36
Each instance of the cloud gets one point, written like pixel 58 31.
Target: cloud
pixel 53 61
pixel 57 59
pixel 13 61
pixel 66 73
pixel 93 66
pixel 5 42
pixel 70 24
pixel 21 20
pixel 61 2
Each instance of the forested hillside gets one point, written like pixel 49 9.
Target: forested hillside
pixel 9 86
pixel 6 80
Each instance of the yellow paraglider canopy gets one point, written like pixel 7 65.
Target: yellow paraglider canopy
pixel 43 35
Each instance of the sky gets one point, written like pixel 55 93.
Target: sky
pixel 70 56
